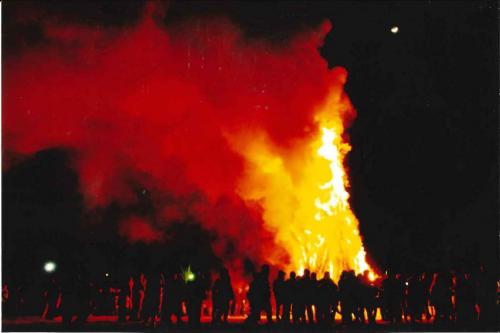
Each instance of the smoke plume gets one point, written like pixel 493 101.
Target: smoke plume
pixel 154 109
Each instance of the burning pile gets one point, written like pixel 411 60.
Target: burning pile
pixel 303 192
pixel 244 137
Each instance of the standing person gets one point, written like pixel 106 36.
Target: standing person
pixel 222 295
pixel 359 298
pixel 279 295
pixel 327 300
pixel 303 297
pixel 253 301
pixel 426 281
pixel 265 291
pixel 138 288
pixel 369 295
pixel 414 298
pixel 290 294
pixel 151 302
pixel 347 285
pixel 259 295
pixel 313 298
pixel 465 299
pixel 487 298
pixel 173 294
pixel 393 295
pixel 441 298
pixel 124 294
pixel 195 292
pixel 51 297
pixel 299 308
pixel 307 291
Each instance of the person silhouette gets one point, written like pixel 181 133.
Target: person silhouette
pixel 172 299
pixel 265 291
pixel 253 299
pixel 137 297
pixel 488 297
pixel 441 297
pixel 326 300
pixel 465 299
pixel 279 295
pixel 368 294
pixel 195 292
pixel 290 294
pixel 259 295
pixel 151 302
pixel 222 295
pixel 51 297
pixel 299 306
pixel 124 293
pixel 312 294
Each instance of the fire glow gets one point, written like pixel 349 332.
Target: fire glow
pixel 244 137
pixel 304 193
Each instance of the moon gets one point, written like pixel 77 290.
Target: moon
pixel 395 29
pixel 49 266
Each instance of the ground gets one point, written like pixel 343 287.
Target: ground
pixel 110 324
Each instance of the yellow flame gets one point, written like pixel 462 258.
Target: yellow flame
pixel 303 192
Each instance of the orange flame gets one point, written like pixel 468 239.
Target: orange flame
pixel 303 192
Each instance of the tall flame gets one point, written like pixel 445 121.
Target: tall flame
pixel 303 190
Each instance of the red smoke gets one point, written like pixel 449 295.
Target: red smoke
pixel 136 229
pixel 148 106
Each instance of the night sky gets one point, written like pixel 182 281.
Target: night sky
pixel 424 163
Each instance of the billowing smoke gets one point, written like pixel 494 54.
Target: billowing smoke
pixel 152 109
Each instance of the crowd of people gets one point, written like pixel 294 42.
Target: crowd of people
pixel 156 298
pixel 425 298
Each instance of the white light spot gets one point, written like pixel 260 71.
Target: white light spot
pixel 395 29
pixel 49 266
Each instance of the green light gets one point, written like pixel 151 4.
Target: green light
pixel 188 275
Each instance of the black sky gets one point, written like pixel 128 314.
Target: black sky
pixel 424 163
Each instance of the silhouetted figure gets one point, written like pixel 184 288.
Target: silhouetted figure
pixel 124 293
pixel 289 296
pixel 415 298
pixel 487 299
pixel 441 297
pixel 426 281
pixel 327 300
pixel 259 295
pixel 347 286
pixel 253 301
pixel 306 290
pixel 172 299
pixel 77 298
pixel 302 298
pixel 359 296
pixel 279 295
pixel 393 291
pixel 196 290
pixel 151 302
pixel 222 295
pixel 312 295
pixel 465 299
pixel 368 298
pixel 265 292
pixel 51 297
pixel 138 289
